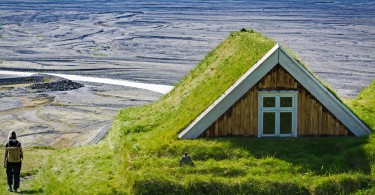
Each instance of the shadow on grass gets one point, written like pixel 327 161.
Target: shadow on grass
pixel 323 155
pixel 30 191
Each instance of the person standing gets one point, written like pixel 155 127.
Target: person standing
pixel 13 161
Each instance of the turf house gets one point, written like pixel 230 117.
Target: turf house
pixel 141 152
pixel 276 97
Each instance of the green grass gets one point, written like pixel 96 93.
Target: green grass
pixel 34 160
pixel 364 105
pixel 140 155
pixel 82 170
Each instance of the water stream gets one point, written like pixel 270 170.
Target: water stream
pixel 164 89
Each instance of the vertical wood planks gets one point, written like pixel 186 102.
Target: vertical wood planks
pixel 247 114
pixel 242 117
pixel 307 115
pixel 320 119
pixel 303 113
pixel 230 121
pixel 255 108
pixel 225 126
pixel 221 124
pixel 237 126
pixel 216 133
pixel 253 116
pixel 316 117
pixel 274 79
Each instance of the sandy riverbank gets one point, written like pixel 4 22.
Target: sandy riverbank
pixel 65 118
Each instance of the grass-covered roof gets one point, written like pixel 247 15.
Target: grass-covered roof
pixel 204 84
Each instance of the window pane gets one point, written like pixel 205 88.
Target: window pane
pixel 285 123
pixel 286 101
pixel 269 123
pixel 269 102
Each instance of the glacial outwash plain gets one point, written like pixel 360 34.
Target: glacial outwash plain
pixel 90 136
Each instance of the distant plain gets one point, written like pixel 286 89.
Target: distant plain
pixel 160 41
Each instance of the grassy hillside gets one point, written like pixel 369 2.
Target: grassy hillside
pixel 140 155
pixel 364 105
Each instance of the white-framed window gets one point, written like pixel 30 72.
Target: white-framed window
pixel 277 113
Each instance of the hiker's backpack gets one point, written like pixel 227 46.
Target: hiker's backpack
pixel 14 153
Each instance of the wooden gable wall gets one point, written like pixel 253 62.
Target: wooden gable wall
pixel 241 119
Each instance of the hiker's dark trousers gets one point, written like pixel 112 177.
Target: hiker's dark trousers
pixel 13 173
